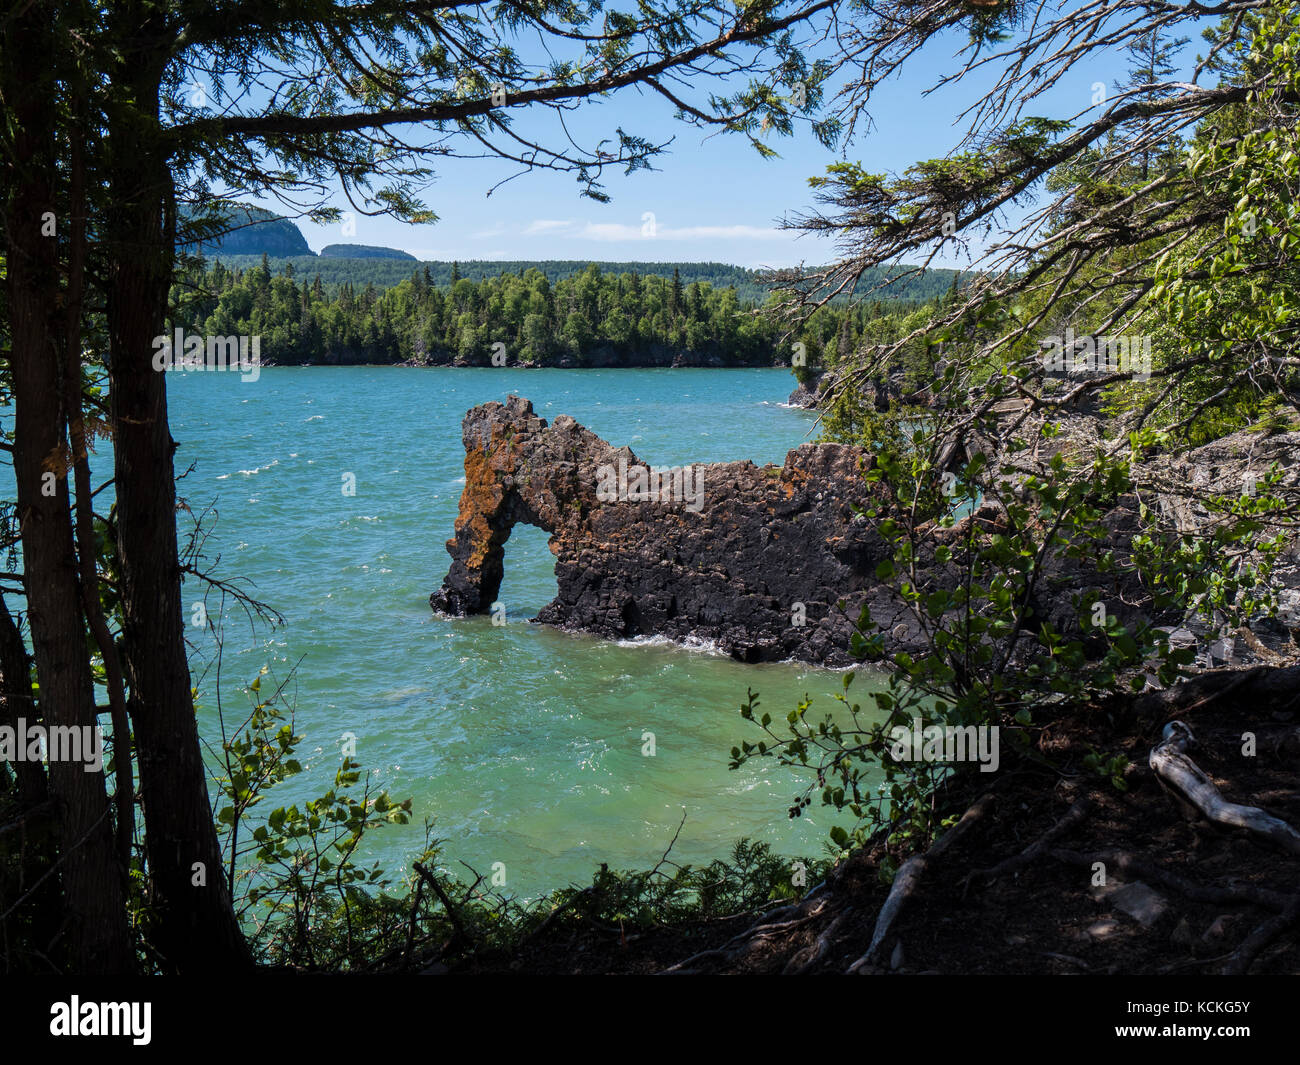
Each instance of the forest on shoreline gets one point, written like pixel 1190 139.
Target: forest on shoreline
pixel 592 318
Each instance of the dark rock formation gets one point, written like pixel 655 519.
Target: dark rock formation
pixel 1175 486
pixel 815 392
pixel 761 549
pixel 772 563
pixel 806 392
pixel 1228 467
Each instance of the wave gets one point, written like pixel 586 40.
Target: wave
pixel 696 644
pixel 250 473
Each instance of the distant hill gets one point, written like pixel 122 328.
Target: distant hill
pixel 254 232
pixel 241 229
pixel 363 251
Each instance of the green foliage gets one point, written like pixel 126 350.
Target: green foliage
pixel 751 879
pixel 337 269
pixel 1221 569
pixel 624 316
pixel 1111 769
pixel 363 251
pixel 752 286
pixel 1230 299
pixel 971 589
pixel 305 897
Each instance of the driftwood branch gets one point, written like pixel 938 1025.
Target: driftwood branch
pixel 800 913
pixel 804 961
pixel 1244 956
pixel 447 904
pixel 1175 769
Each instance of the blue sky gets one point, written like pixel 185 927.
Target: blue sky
pixel 712 198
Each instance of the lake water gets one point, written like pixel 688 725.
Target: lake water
pixel 521 743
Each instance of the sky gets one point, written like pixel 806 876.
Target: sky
pixel 712 198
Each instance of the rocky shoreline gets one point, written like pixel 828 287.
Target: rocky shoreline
pixel 775 563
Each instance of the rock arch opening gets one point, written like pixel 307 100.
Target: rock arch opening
pixel 528 582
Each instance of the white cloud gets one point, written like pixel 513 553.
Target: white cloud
pixel 721 233
pixel 608 231
pixel 547 225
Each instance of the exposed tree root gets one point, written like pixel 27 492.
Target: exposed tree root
pixel 801 913
pixel 1171 764
pixel 1130 863
pixel 909 876
pixel 808 958
pixel 1069 959
pixel 1241 959
pixel 1231 683
pixel 1073 816
pixel 1264 687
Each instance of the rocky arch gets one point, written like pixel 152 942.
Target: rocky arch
pixel 765 548
pixel 767 545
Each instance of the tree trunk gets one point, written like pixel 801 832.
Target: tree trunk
pixel 123 778
pixel 16 702
pixel 196 929
pixel 99 940
pixel 37 923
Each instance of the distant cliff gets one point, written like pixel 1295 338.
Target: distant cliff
pixel 363 251
pixel 240 229
pixel 235 229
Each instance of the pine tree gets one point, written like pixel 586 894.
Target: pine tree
pixel 1153 58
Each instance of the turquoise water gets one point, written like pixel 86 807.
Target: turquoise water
pixel 521 743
